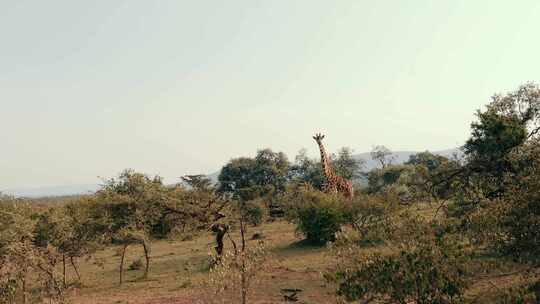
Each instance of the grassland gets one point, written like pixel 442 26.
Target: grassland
pixel 179 269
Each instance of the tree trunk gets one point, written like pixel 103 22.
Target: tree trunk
pixel 243 257
pixel 244 282
pixel 74 265
pixel 147 257
pixel 64 269
pixel 220 230
pixel 122 263
pixel 24 287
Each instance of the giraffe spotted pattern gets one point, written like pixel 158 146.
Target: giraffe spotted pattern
pixel 334 182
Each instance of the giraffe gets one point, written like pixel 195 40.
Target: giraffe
pixel 334 183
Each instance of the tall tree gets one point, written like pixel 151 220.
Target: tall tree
pixel 247 178
pixel 346 165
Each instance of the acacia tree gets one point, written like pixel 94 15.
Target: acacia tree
pixel 142 208
pixel 383 155
pixel 199 207
pixel 70 230
pixel 131 205
pixel 19 257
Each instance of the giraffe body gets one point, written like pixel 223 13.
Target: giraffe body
pixel 334 182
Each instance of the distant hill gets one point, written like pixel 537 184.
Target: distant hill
pixel 401 157
pixel 64 190
pixel 67 190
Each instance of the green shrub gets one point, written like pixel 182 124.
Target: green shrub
pixel 430 272
pixel 318 216
pixel 255 212
pixel 520 294
pixel 371 216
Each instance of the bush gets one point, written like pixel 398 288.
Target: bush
pixel 255 211
pixel 521 217
pixel 432 271
pixel 521 293
pixel 371 216
pixel 378 179
pixel 318 216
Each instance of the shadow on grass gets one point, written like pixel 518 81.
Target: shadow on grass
pixel 299 247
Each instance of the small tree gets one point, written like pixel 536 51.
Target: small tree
pixel 383 155
pixel 317 215
pixel 70 230
pixel 132 205
pixel 19 257
pixel 236 272
pixel 346 165
pixel 129 236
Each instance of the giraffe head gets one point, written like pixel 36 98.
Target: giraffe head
pixel 318 137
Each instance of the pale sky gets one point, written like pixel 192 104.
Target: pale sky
pixel 88 88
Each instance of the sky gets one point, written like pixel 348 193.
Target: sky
pixel 89 88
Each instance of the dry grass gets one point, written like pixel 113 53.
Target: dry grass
pixel 179 269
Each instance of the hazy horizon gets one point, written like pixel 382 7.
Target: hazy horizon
pixel 88 89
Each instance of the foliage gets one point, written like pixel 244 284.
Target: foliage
pixel 318 215
pixel 345 165
pixel 309 171
pixel 520 215
pixel 520 295
pixel 378 179
pixel 487 151
pixel 255 211
pixel 248 178
pixel 383 155
pixel 69 229
pixel 198 182
pixel 371 216
pixel 235 272
pixel 495 199
pixel 428 268
pixel 188 211
pixel 20 261
pixel 235 276
pixel 427 159
pixel 510 121
pixel 522 104
pixel 131 206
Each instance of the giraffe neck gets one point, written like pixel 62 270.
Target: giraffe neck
pixel 325 162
